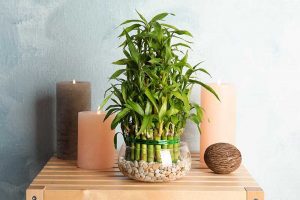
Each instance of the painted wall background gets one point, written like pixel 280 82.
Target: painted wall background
pixel 253 43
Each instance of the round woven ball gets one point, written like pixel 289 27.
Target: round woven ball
pixel 222 158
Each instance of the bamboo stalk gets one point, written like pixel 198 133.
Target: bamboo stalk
pixel 176 149
pixel 138 150
pixel 144 149
pixel 127 153
pixel 150 148
pixel 164 137
pixel 157 147
pixel 171 146
pixel 132 148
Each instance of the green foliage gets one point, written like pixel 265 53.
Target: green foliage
pixel 151 94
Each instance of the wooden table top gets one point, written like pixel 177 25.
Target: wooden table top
pixel 62 179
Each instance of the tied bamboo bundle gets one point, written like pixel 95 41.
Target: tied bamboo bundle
pixel 149 149
pixel 151 92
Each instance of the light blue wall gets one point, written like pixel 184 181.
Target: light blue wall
pixel 254 44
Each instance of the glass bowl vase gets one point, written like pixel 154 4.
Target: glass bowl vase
pixel 169 165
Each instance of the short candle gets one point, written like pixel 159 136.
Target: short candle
pixel 95 141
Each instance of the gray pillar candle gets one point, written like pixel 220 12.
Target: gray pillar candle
pixel 71 97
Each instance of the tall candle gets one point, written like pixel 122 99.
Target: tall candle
pixel 95 141
pixel 71 98
pixel 219 119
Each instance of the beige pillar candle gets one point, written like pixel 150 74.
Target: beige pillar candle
pixel 95 141
pixel 219 121
pixel 71 98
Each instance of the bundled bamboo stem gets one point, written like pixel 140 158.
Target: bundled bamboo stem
pixel 132 156
pixel 164 137
pixel 138 149
pixel 144 149
pixel 157 147
pixel 176 150
pixel 150 148
pixel 171 147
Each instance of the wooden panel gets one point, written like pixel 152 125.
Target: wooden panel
pixel 143 195
pixel 254 193
pixel 35 193
pixel 61 179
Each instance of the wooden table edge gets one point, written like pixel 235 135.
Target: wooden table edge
pixel 35 192
pixel 254 193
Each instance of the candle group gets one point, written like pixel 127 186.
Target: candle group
pixel 95 141
pixel 219 119
pixel 71 98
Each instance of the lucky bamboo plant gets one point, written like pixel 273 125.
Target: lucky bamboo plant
pixel 151 92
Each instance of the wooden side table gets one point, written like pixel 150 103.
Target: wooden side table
pixel 63 180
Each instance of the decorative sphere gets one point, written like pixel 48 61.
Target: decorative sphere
pixel 222 158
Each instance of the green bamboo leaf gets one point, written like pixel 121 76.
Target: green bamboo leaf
pixel 182 62
pixel 174 119
pixel 170 26
pixel 119 117
pixel 131 21
pixel 188 66
pixel 189 72
pixel 181 44
pixel 204 71
pixel 107 90
pixel 199 111
pixel 126 53
pixel 160 17
pixel 116 140
pixel 151 98
pixel 133 51
pixel 116 102
pixel 147 119
pixel 123 61
pixel 142 17
pixel 155 60
pixel 128 29
pixel 194 118
pixel 172 111
pixel 184 99
pixel 168 53
pixel 157 33
pixel 123 44
pixel 148 109
pixel 110 112
pixel 185 57
pixel 163 109
pixel 117 73
pixel 136 107
pixel 112 107
pixel 118 94
pixel 199 63
pixel 124 91
pixel 207 87
pixel 182 39
pixel 183 32
pixel 104 102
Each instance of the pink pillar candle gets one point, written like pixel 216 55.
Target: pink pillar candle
pixel 95 141
pixel 219 120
